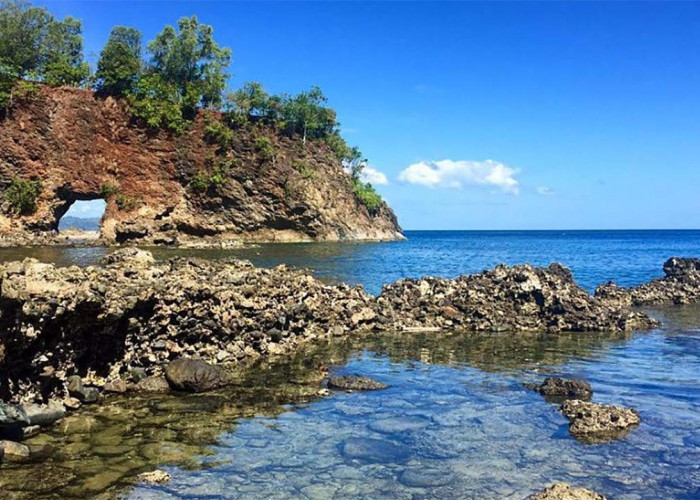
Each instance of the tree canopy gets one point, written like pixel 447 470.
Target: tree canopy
pixel 120 61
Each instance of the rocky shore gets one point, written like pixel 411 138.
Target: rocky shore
pixel 115 325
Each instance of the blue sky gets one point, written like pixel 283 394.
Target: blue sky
pixel 482 115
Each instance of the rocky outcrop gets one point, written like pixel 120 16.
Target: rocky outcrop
pixel 564 491
pixel 520 298
pixel 74 330
pixel 81 147
pixel 596 423
pixel 680 285
pixel 561 389
pixel 354 383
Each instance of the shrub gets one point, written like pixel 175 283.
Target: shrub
pixel 203 182
pixel 22 196
pixel 367 195
pixel 108 189
pixel 219 134
pixel 157 104
pixel 304 169
pixel 127 203
pixel 264 148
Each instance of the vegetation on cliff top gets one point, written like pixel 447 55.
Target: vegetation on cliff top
pixel 184 71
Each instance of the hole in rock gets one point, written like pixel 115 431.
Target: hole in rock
pixel 83 216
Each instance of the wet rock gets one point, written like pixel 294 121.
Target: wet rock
pixel 154 477
pixel 85 395
pixel 72 403
pixel 12 416
pixel 354 383
pixel 195 375
pixel 117 386
pixel 30 431
pixel 560 389
pixel 564 491
pixel 152 384
pixel 596 423
pixel 374 451
pixel 44 414
pixel 14 451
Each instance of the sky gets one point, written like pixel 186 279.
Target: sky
pixel 495 115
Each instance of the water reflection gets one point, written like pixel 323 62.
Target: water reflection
pixel 101 449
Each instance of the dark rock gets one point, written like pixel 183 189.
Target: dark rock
pixel 564 491
pixel 152 384
pixel 596 423
pixel 195 375
pixel 354 383
pixel 85 395
pixel 44 414
pixel 560 389
pixel 374 451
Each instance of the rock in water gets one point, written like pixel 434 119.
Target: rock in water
pixel 374 451
pixel 560 389
pixel 195 375
pixel 564 491
pixel 83 394
pixel 152 384
pixel 154 477
pixel 596 423
pixel 354 383
pixel 44 414
pixel 14 451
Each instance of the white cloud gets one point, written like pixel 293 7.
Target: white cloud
pixel 455 174
pixel 544 190
pixel 374 176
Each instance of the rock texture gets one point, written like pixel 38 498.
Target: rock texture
pixel 73 331
pixel 354 383
pixel 680 285
pixel 82 147
pixel 521 298
pixel 564 491
pixel 195 375
pixel 561 389
pixel 596 423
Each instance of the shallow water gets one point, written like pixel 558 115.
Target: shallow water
pixel 456 421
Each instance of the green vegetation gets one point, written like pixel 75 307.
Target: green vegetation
pixel 203 182
pixel 304 169
pixel 127 203
pixel 22 195
pixel 108 189
pixel 120 62
pixel 184 70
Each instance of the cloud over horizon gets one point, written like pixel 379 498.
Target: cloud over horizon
pixel 456 174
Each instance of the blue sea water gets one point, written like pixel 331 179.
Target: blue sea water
pixel 456 421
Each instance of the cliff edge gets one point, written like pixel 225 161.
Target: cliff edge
pixel 66 144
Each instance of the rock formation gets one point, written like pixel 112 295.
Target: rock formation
pixel 596 423
pixel 564 491
pixel 680 285
pixel 82 148
pixel 133 316
pixel 560 389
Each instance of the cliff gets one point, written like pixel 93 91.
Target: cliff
pixel 265 187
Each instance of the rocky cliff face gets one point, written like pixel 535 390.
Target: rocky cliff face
pixel 81 148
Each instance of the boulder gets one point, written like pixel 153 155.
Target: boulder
pixel 44 414
pixel 117 386
pixel 354 383
pixel 12 416
pixel 84 394
pixel 564 491
pixel 560 389
pixel 14 451
pixel 596 423
pixel 195 375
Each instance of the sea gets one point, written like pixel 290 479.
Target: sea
pixel 457 420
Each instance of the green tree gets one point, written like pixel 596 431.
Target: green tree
pixel 306 114
pixel 156 103
pixel 63 55
pixel 120 61
pixel 191 60
pixel 23 31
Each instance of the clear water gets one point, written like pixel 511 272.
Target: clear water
pixel 456 421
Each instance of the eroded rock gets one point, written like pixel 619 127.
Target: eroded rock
pixel 44 414
pixel 596 423
pixel 564 491
pixel 354 383
pixel 195 375
pixel 560 389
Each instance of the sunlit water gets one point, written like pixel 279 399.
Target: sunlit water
pixel 456 421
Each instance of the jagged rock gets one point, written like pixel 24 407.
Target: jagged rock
pixel 133 256
pixel 78 145
pixel 596 423
pixel 519 298
pixel 14 451
pixel 195 375
pixel 44 414
pixel 354 383
pixel 561 389
pixel 154 477
pixel 680 285
pixel 564 491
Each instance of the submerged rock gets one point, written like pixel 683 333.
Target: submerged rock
pixel 596 423
pixel 374 450
pixel 195 375
pixel 560 389
pixel 354 383
pixel 564 491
